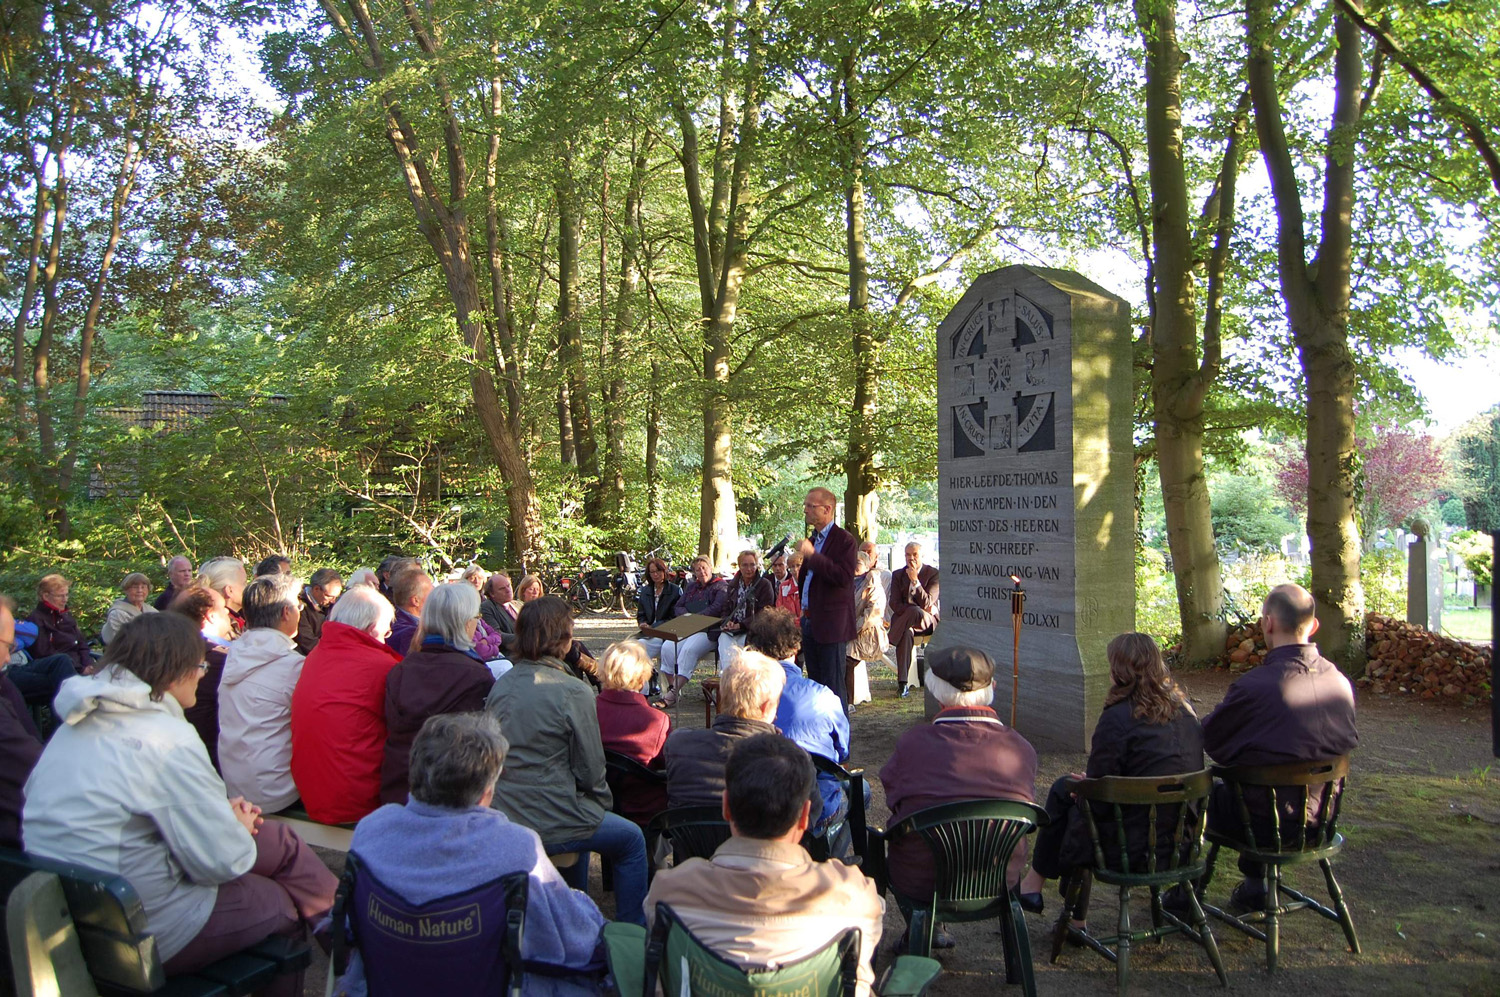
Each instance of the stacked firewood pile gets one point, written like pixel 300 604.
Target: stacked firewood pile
pixel 1403 659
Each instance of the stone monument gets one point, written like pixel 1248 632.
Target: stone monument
pixel 1424 578
pixel 1036 481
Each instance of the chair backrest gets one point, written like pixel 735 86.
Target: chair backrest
pixel 107 914
pixel 45 957
pixel 1173 810
pixel 468 943
pixel 684 965
pixel 1291 789
pixel 971 843
pixel 695 832
pixel 852 781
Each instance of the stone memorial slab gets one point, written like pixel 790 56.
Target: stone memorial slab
pixel 1036 481
pixel 1424 578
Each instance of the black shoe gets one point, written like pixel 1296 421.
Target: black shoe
pixel 1175 901
pixel 1032 903
pixel 1247 898
pixel 903 690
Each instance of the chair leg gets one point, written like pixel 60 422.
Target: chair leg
pixel 1206 936
pixel 1273 916
pixel 1023 948
pixel 1156 918
pixel 1008 944
pixel 919 933
pixel 1072 886
pixel 1345 921
pixel 1122 947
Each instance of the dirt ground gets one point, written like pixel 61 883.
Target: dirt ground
pixel 1421 870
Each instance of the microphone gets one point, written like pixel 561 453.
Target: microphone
pixel 780 547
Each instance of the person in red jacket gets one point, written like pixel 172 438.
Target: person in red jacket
pixel 628 724
pixel 338 710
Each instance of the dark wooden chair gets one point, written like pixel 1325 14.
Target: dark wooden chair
pixel 118 949
pixel 1265 838
pixel 971 843
pixel 1174 808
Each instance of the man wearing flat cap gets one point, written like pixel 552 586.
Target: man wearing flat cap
pixel 966 753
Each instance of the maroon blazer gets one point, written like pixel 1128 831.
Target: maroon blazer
pixel 829 618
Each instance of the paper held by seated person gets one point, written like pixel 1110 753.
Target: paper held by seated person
pixel 681 627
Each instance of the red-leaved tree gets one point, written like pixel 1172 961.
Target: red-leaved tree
pixel 1399 473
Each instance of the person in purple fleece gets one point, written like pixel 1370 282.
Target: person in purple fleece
pixel 447 840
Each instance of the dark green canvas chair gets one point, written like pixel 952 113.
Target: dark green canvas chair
pixel 1292 787
pixel 1174 807
pixel 638 961
pixel 971 843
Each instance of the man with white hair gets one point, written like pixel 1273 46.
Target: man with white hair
pixel 914 610
pixel 749 691
pixel 179 577
pixel 255 696
pixel 338 710
pixel 966 753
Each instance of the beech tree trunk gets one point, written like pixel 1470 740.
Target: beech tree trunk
pixel 574 394
pixel 861 502
pixel 1316 297
pixel 616 417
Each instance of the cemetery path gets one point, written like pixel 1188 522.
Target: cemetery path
pixel 1421 869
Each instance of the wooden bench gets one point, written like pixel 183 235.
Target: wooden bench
pixel 335 837
pixel 57 913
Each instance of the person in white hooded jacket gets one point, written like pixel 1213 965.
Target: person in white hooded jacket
pixel 125 787
pixel 261 669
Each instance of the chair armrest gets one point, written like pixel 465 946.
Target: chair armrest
pixel 857 833
pixel 874 858
pixel 908 976
pixel 625 951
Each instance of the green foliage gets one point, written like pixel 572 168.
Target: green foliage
pixel 1383 574
pixel 1474 454
pixel 1246 514
pixel 1478 553
pixel 1156 598
pixel 1452 512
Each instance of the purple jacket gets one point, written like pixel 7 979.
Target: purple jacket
pixel 710 600
pixel 403 628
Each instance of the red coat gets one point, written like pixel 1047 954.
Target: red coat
pixel 338 724
pixel 629 725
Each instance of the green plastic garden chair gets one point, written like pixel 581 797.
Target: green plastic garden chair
pixel 1291 787
pixel 1173 805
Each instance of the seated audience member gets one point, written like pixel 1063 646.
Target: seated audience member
pixel 870 642
pixel 750 591
pixel 276 564
pixel 57 631
pixel 749 690
pixel 338 710
pixel 486 638
pixel 628 724
pixel 125 787
pixel 255 696
pixel 316 599
pixel 1295 706
pixel 363 576
pixel 226 576
pixel 179 577
pixel 1147 729
pixel 808 712
pixel 914 609
pixel 708 594
pixel 788 596
pixel 205 609
pixel 442 674
pixel 654 601
pixel 447 841
pixel 20 747
pixel 36 679
pixel 761 900
pixel 554 782
pixel 136 587
pixel 409 591
pixel 966 753
pixel 498 594
pixel 389 568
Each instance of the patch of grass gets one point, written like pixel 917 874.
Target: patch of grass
pixel 1467 624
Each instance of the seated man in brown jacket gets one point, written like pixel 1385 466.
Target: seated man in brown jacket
pixel 749 692
pixel 762 899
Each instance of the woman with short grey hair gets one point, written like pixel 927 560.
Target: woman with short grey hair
pixel 441 674
pixel 447 841
pixel 135 588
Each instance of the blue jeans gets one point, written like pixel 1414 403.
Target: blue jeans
pixel 39 678
pixel 622 842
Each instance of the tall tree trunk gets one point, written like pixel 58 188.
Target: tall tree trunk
pixel 567 450
pixel 497 252
pixel 861 501
pixel 1179 381
pixel 616 416
pixel 570 335
pixel 1316 297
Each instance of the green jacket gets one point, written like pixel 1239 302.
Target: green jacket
pixel 550 720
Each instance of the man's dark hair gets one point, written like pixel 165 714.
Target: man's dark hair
pixel 774 633
pixel 266 598
pixel 324 577
pixel 767 780
pixel 194 602
pixel 1292 608
pixel 276 564
pixel 544 628
pixel 405 584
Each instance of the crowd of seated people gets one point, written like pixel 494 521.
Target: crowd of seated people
pixel 197 719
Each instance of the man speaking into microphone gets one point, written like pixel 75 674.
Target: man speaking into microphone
pixel 827 585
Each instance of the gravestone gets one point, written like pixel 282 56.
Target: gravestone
pixel 1036 480
pixel 1424 578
